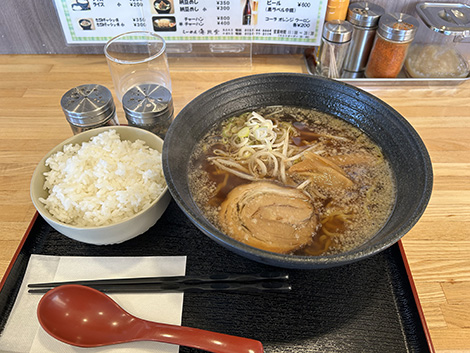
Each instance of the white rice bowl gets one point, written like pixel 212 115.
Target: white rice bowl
pixel 102 190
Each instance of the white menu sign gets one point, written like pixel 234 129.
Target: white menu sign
pixel 266 21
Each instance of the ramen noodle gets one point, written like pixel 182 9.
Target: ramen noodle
pixel 292 180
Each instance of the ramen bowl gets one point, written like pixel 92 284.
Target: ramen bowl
pixel 400 143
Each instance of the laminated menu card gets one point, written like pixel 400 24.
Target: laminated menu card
pixel 267 21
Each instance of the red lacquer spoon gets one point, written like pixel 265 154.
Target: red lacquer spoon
pixel 84 317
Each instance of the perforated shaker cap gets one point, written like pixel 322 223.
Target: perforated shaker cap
pixel 398 27
pixel 88 105
pixel 337 31
pixel 147 102
pixel 365 14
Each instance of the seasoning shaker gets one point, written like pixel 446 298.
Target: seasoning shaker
pixel 89 106
pixel 334 45
pixel 394 35
pixel 364 17
pixel 150 107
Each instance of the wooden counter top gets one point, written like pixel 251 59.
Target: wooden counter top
pixel 437 248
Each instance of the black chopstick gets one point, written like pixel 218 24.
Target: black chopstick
pixel 158 283
pixel 253 287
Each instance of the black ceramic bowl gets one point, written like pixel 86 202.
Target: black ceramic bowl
pixel 401 144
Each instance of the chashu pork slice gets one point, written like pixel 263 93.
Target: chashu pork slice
pixel 321 171
pixel 269 217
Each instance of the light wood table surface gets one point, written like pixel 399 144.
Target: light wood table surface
pixel 437 248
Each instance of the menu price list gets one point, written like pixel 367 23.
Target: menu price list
pixel 265 21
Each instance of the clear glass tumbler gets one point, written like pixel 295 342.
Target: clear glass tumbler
pixel 137 58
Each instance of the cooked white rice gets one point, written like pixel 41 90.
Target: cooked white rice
pixel 102 181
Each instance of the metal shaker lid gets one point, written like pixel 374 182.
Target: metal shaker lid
pixel 365 14
pixel 147 102
pixel 446 18
pixel 398 27
pixel 88 104
pixel 337 31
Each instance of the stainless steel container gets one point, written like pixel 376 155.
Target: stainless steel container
pixel 334 45
pixel 448 18
pixel 149 107
pixel 89 106
pixel 364 17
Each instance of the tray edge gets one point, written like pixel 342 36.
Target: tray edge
pixel 392 81
pixel 18 250
pixel 416 297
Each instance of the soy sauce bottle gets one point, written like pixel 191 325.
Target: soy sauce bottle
pixel 247 13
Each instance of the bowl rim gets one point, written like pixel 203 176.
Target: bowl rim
pixel 288 260
pixel 36 174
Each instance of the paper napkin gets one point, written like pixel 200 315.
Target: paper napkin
pixel 23 334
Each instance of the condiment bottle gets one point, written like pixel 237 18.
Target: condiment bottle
pixel 254 13
pixel 364 17
pixel 336 10
pixel 89 106
pixel 394 36
pixel 333 48
pixel 247 13
pixel 150 107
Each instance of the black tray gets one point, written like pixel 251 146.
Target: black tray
pixel 367 306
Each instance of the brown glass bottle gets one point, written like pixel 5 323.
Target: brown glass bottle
pixel 247 13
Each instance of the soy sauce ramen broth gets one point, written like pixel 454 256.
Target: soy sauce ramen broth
pixel 347 216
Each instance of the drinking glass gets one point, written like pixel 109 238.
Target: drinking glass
pixel 137 58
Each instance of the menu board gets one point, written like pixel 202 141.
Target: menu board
pixel 296 22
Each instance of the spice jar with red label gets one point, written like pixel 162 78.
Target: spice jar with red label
pixel 395 33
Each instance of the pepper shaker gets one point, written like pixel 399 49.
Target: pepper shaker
pixel 89 106
pixel 150 107
pixel 394 36
pixel 333 48
pixel 364 17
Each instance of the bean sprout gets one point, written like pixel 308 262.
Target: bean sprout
pixel 257 148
